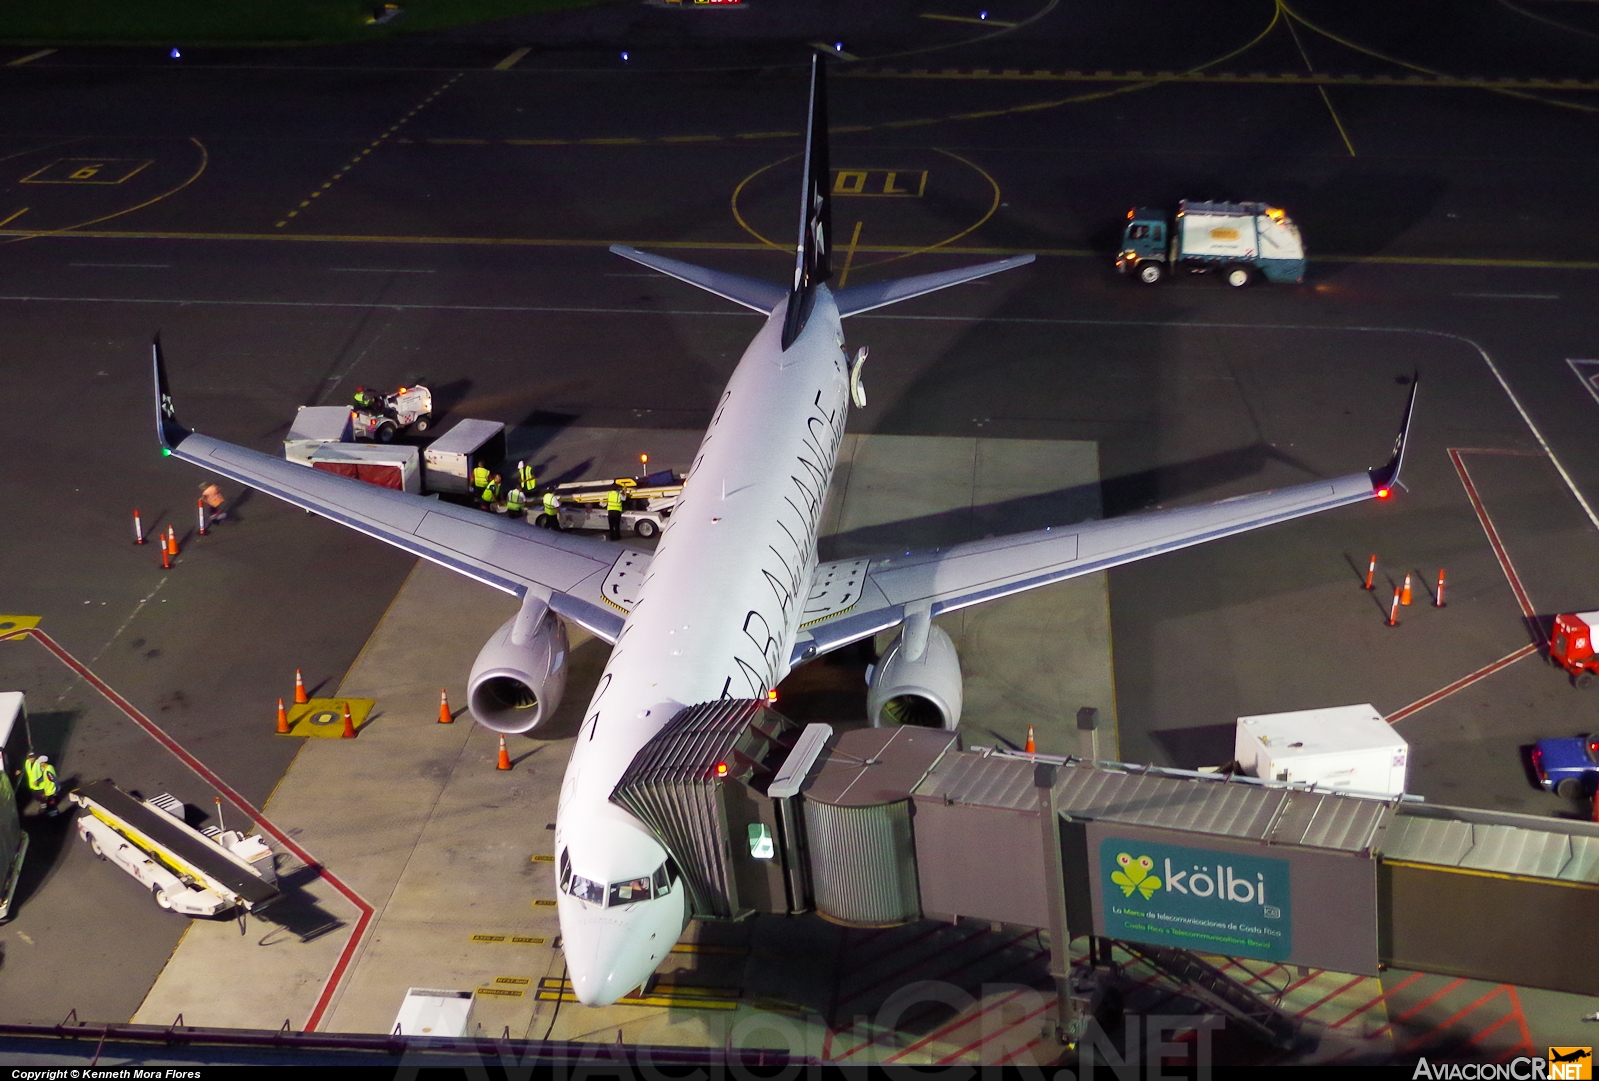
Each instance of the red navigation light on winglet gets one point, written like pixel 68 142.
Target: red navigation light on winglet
pixel 1384 492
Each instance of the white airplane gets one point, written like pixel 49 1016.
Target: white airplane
pixel 733 597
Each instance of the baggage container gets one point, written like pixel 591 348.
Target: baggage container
pixel 448 462
pixel 316 426
pixel 387 467
pixel 1341 748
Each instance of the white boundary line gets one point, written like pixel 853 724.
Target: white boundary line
pixel 1586 380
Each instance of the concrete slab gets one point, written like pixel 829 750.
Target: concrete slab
pixel 446 848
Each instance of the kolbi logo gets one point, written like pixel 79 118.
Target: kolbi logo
pixel 1226 884
pixel 1134 875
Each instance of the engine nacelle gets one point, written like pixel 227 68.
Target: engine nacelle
pixel 518 678
pixel 923 690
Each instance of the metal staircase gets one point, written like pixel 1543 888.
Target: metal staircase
pixel 1215 988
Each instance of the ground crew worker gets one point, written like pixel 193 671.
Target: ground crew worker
pixel 525 477
pixel 515 502
pixel 491 491
pixel 552 511
pixel 613 512
pixel 41 777
pixel 213 499
pixel 364 399
pixel 480 479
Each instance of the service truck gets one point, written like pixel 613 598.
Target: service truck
pixel 1571 646
pixel 1240 241
pixel 1342 748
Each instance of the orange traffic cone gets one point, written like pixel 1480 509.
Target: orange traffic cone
pixel 283 719
pixel 1393 611
pixel 199 510
pixel 166 557
pixel 172 542
pixel 300 697
pixel 1404 592
pixel 505 756
pixel 1031 747
pixel 138 527
pixel 349 724
pixel 1438 601
pixel 445 716
pixel 1371 571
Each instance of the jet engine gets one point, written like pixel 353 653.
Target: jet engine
pixel 916 686
pixel 517 679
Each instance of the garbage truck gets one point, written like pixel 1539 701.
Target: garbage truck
pixel 1240 241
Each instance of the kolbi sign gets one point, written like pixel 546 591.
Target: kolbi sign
pixel 1196 899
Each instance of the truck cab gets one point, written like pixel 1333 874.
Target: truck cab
pixel 1571 646
pixel 1568 765
pixel 1144 245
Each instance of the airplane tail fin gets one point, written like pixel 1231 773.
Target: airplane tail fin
pixel 812 262
pixel 168 429
pixel 813 252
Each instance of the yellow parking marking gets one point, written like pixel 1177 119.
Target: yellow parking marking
pixel 544 902
pixel 543 857
pixel 513 980
pixel 513 59
pixel 967 19
pixel 14 217
pixel 894 183
pixel 88 171
pixel 502 992
pixel 551 989
pixel 1428 80
pixel 10 624
pixel 488 938
pixel 30 58
pixel 701 948
pixel 325 716
pixel 514 940
pixel 849 256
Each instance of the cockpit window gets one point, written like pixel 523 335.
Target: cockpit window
pixel 663 883
pixel 630 890
pixel 585 890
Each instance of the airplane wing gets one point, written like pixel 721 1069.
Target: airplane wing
pixel 508 555
pixel 855 598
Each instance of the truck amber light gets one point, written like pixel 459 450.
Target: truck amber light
pixel 721 769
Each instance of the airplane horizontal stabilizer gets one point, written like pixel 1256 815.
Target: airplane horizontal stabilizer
pixel 750 292
pixel 854 299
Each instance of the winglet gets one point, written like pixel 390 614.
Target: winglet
pixel 1384 479
pixel 167 428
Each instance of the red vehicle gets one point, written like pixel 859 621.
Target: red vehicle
pixel 1571 646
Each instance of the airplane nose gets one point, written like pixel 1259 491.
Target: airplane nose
pixel 606 964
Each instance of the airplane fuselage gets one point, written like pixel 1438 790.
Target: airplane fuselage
pixel 716 618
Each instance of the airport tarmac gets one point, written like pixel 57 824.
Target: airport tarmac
pixel 450 221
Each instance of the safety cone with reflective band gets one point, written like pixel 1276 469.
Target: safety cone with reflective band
pixel 445 716
pixel 283 719
pixel 199 511
pixel 1371 571
pixel 505 756
pixel 166 556
pixel 300 697
pixel 172 542
pixel 349 724
pixel 1404 592
pixel 1438 598
pixel 1031 747
pixel 1393 611
pixel 138 527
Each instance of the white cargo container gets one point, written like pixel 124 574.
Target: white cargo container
pixel 1342 747
pixel 450 459
pixel 434 1011
pixel 316 426
pixel 399 468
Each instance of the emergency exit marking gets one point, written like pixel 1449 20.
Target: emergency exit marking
pixel 88 171
pixel 522 980
pixel 893 183
pixel 542 903
pixel 488 938
pixel 543 858
pixel 503 992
